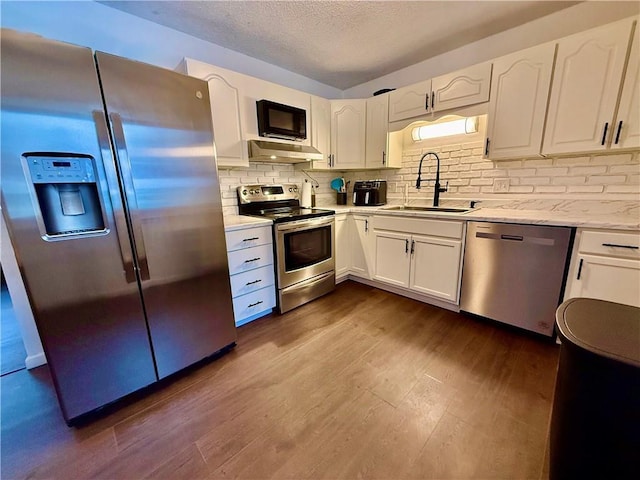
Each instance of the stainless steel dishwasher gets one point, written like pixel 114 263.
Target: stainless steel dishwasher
pixel 515 273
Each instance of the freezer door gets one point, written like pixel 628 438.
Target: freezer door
pixel 161 124
pixel 81 285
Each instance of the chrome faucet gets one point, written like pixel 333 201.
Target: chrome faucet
pixel 437 188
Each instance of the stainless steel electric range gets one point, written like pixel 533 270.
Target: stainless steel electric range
pixel 303 240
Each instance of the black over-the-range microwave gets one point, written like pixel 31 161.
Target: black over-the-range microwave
pixel 276 120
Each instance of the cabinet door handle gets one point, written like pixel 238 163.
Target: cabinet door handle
pixel 254 282
pixel 384 158
pixel 618 132
pixel 406 246
pixel 604 134
pixel 433 100
pixel 254 304
pixel 580 269
pixel 251 239
pixel 366 225
pixel 413 246
pixel 329 160
pixel 486 147
pixel 632 247
pixel 426 101
pixel 252 260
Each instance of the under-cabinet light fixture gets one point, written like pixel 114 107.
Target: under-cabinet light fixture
pixel 444 129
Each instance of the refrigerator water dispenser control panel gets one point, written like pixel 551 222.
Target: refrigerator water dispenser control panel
pixel 61 169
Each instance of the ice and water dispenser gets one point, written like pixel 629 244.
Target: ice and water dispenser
pixel 67 193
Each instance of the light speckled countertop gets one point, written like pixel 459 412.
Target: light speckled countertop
pixel 607 214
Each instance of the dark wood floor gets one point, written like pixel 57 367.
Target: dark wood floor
pixel 359 384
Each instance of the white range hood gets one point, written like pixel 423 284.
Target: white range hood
pixel 281 152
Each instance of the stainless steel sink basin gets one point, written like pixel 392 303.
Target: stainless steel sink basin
pixel 416 208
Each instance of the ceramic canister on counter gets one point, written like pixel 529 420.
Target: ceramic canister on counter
pixel 305 199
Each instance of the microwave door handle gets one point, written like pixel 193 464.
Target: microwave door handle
pixel 127 179
pixel 366 198
pixel 119 217
pixel 354 197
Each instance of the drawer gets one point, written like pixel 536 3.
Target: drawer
pixel 250 258
pixel 249 237
pixel 252 280
pixel 252 303
pixel 612 244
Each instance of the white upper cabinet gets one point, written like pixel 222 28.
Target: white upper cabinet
pixel 348 126
pixel 321 130
pixel 225 95
pixel 518 102
pixel 376 131
pixel 461 88
pixel 457 89
pixel 411 101
pixel 627 126
pixel 584 92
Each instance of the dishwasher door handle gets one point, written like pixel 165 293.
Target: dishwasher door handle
pixel 516 238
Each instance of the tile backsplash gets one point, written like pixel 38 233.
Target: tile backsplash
pixel 595 176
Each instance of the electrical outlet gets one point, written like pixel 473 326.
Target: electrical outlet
pixel 501 185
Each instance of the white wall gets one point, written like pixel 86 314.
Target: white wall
pixel 103 28
pixel 575 19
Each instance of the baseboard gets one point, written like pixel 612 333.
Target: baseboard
pixel 33 361
pixel 406 293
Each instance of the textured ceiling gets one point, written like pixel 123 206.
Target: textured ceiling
pixel 340 43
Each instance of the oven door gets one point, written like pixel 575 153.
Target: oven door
pixel 304 249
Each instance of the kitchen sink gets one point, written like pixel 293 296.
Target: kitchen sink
pixel 412 208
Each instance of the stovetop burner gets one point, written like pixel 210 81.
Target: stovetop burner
pixel 281 203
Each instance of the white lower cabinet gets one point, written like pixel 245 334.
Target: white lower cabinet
pixel 250 255
pixel 421 255
pixel 361 245
pixel 353 245
pixel 342 250
pixel 435 267
pixel 606 266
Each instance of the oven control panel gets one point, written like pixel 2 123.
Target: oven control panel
pixel 266 193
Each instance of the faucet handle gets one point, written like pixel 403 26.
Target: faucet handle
pixel 445 188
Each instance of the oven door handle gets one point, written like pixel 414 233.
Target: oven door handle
pixel 304 224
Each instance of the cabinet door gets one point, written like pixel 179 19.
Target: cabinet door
pixel 348 124
pixel 461 88
pixel 392 257
pixel 321 130
pixel 585 89
pixel 343 247
pixel 231 149
pixel 627 126
pixel 411 101
pixel 519 94
pixel 376 134
pixel 360 246
pixel 607 278
pixel 435 267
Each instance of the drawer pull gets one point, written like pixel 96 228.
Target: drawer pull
pixel 615 245
pixel 251 239
pixel 254 304
pixel 252 260
pixel 254 282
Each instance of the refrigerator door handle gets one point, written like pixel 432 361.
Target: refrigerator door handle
pixel 130 193
pixel 114 195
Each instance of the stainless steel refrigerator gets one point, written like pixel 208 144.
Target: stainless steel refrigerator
pixel 111 196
